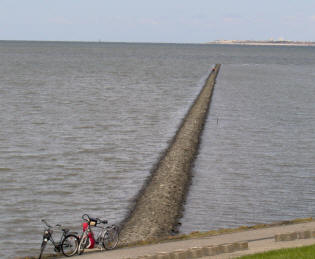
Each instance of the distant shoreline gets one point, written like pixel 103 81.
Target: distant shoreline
pixel 264 43
pixel 216 42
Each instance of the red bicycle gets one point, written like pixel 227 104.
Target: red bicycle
pixel 106 236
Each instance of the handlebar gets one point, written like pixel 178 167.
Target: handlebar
pixel 84 216
pixel 87 218
pixel 49 226
pixel 45 222
pixel 102 221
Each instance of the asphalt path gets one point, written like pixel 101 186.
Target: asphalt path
pixel 259 240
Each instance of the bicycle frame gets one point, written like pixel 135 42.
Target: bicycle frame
pixel 48 236
pixel 85 238
pixel 101 236
pixel 99 240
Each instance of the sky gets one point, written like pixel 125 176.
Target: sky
pixel 174 21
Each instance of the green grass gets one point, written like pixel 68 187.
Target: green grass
pixel 305 252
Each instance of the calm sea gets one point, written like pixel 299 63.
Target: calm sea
pixel 82 125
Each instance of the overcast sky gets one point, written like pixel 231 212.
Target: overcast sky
pixel 181 21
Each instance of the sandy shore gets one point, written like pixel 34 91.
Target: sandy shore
pixel 264 43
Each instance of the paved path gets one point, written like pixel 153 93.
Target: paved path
pixel 258 241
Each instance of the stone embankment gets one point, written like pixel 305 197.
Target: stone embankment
pixel 159 204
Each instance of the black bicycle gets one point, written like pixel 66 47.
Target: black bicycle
pixel 68 244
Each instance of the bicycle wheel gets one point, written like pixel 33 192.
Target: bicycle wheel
pixel 84 241
pixel 69 245
pixel 42 248
pixel 111 238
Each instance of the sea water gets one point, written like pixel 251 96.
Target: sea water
pixel 83 124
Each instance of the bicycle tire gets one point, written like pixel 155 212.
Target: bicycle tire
pixel 42 248
pixel 69 245
pixel 111 238
pixel 82 244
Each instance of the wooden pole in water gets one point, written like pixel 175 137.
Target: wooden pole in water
pixel 159 204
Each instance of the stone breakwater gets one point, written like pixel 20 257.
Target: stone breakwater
pixel 158 205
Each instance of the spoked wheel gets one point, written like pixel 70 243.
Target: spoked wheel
pixel 111 237
pixel 69 245
pixel 42 248
pixel 84 242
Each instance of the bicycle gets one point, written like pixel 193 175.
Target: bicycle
pixel 107 236
pixel 68 244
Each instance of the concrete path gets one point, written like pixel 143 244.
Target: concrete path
pixel 256 241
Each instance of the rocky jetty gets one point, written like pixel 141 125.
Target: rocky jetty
pixel 158 206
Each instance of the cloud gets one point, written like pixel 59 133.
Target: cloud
pixel 147 21
pixel 297 19
pixel 60 21
pixel 291 19
pixel 233 19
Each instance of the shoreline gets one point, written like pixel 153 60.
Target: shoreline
pixel 216 232
pixel 263 43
